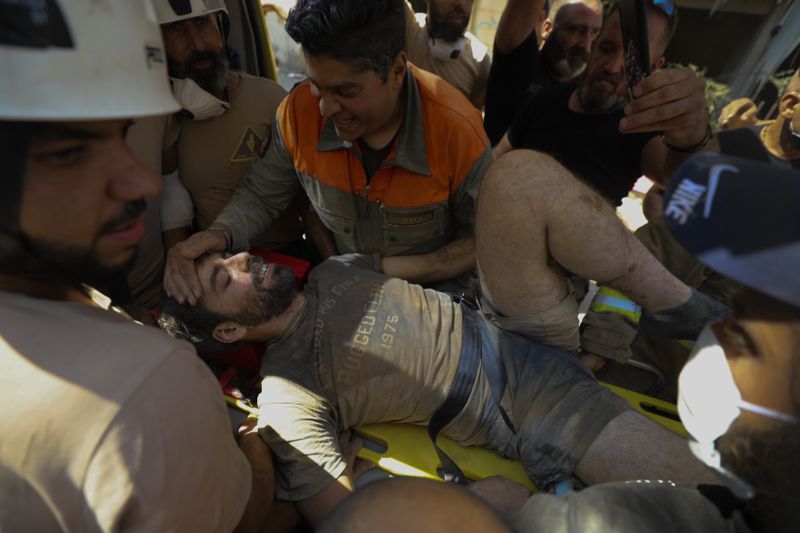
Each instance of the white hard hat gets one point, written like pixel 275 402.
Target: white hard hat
pixel 81 60
pixel 169 11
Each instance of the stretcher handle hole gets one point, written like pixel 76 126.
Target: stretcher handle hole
pixel 373 445
pixel 658 411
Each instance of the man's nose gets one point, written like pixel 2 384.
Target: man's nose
pixel 240 261
pixel 131 179
pixel 616 65
pixel 195 39
pixel 586 42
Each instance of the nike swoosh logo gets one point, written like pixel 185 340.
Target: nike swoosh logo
pixel 713 182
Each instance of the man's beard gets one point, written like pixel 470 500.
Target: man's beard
pixel 265 303
pixel 766 457
pixel 440 28
pixel 593 102
pixel 74 264
pixel 212 79
pixel 565 63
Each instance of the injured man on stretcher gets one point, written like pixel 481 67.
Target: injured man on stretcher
pixel 356 347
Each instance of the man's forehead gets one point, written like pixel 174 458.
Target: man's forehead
pixel 611 28
pixel 752 304
pixel 206 264
pixel 575 9
pixel 331 73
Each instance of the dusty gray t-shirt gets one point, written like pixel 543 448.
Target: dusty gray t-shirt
pixel 365 349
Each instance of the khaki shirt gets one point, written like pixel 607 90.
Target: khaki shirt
pixel 215 154
pixel 469 72
pixel 109 425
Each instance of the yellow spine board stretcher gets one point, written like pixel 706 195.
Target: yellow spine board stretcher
pixel 406 450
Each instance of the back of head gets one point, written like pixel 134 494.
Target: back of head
pixel 366 34
pixel 408 504
pixel 195 324
pixel 70 60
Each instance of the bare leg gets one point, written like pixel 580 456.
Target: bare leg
pixel 634 447
pixel 535 219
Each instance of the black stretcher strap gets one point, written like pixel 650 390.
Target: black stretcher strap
pixel 475 347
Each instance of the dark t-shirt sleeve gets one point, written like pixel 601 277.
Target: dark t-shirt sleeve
pixel 510 78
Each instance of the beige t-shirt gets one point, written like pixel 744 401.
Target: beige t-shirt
pixel 109 425
pixel 365 349
pixel 468 73
pixel 215 154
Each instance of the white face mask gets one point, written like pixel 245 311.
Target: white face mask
pixel 709 402
pixel 446 50
pixel 200 104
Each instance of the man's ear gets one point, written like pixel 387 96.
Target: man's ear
pixel 229 332
pixel 547 29
pixel 788 104
pixel 397 70
pixel 658 64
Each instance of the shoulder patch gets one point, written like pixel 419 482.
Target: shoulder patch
pixel 249 147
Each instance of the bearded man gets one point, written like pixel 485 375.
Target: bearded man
pixel 534 49
pixel 438 42
pixel 226 118
pixel 603 136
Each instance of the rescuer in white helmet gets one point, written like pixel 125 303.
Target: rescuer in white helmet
pixel 106 424
pixel 226 118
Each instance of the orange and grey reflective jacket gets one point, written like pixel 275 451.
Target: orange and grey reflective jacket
pixel 421 198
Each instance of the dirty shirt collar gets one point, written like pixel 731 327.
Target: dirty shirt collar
pixel 411 153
